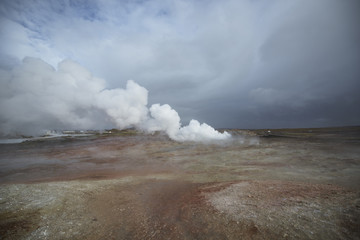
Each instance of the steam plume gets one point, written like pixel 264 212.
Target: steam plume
pixel 35 98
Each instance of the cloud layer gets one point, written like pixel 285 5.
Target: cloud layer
pixel 231 63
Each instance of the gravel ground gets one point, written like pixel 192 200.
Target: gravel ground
pixel 289 184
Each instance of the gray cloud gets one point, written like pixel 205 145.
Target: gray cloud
pixel 230 63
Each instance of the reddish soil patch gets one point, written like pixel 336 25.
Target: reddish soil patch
pixel 161 210
pixel 175 209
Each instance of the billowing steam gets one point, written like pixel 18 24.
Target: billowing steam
pixel 35 97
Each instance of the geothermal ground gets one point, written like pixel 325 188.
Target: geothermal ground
pixel 286 184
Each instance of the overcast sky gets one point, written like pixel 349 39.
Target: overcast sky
pixel 232 64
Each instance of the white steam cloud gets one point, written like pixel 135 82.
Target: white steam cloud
pixel 35 98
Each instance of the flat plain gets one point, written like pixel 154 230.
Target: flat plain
pixel 261 184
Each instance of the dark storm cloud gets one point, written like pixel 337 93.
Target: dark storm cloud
pixel 246 64
pixel 308 74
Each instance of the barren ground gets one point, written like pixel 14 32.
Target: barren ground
pixel 287 184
